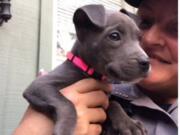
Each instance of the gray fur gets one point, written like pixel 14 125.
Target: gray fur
pixel 119 59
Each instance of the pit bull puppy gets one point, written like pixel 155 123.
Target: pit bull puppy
pixel 107 45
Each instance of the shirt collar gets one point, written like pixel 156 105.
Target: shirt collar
pixel 133 94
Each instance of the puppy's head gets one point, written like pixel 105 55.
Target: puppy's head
pixel 109 41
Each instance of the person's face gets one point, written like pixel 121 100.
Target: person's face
pixel 159 26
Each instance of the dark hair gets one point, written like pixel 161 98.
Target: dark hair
pixel 134 3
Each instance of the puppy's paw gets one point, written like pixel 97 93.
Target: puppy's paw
pixel 140 126
pixel 122 123
pixel 132 127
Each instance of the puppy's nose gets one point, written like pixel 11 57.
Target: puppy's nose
pixel 144 65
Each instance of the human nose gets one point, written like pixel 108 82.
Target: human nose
pixel 153 37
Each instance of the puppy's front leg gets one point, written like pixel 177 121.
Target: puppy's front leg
pixel 119 123
pixel 47 99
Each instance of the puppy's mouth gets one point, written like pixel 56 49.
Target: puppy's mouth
pixel 123 77
pixel 160 59
pixel 112 74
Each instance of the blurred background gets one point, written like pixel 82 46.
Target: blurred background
pixel 37 37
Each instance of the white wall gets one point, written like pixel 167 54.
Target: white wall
pixel 18 60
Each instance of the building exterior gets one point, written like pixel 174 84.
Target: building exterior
pixel 33 39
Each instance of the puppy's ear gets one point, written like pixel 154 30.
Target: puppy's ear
pixel 131 15
pixel 87 19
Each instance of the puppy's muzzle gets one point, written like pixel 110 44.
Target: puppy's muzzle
pixel 144 64
pixel 130 69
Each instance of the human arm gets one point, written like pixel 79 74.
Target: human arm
pixel 34 123
pixel 90 101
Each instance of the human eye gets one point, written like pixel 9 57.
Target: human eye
pixel 172 30
pixel 145 23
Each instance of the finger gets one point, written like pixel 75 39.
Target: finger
pixel 95 129
pixel 93 115
pixel 87 85
pixel 82 126
pixel 95 99
pixel 96 115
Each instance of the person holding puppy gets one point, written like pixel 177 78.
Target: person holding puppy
pixel 153 101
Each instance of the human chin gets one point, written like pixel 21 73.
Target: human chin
pixel 160 74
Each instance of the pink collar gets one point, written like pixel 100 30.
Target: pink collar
pixel 82 65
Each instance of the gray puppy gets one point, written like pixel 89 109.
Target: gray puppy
pixel 108 42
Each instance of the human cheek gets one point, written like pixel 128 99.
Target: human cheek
pixel 172 45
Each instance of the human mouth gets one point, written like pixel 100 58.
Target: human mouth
pixel 160 59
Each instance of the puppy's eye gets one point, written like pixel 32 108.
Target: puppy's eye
pixel 115 36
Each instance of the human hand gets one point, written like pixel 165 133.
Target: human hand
pixel 90 99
